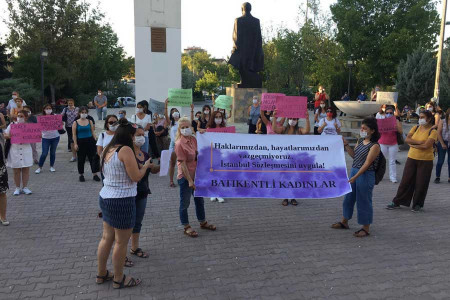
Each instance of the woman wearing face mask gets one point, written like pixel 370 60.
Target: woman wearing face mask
pixel 118 204
pixel 443 146
pixel 381 114
pixel 70 113
pixel 418 166
pixel 15 110
pixel 186 151
pixel 292 128
pixel 253 115
pixel 330 125
pixel 161 133
pixel 194 122
pixel 432 107
pixel 111 125
pixel 83 132
pixel 224 113
pixel 122 114
pixel 20 158
pixel 362 178
pixel 204 118
pixel 144 120
pixel 50 141
pixel 267 119
pixel 388 142
pixel 321 113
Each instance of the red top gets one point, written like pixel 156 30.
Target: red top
pixel 186 150
pixel 322 97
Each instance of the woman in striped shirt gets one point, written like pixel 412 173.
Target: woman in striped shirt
pixel 117 202
pixel 365 159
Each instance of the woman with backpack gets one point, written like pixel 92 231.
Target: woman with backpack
pixel 365 162
pixel 418 166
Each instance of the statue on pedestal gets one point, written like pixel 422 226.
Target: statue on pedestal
pixel 247 55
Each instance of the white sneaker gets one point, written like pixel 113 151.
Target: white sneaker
pixel 38 171
pixel 17 192
pixel 4 222
pixel 221 200
pixel 73 159
pixel 213 199
pixel 52 169
pixel 26 191
pixel 394 181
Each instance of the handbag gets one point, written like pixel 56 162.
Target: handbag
pixel 400 139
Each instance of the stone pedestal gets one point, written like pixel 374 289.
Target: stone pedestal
pixel 242 99
pixel 350 128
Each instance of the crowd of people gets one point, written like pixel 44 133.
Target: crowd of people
pixel 129 149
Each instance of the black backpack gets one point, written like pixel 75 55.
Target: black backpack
pixel 380 169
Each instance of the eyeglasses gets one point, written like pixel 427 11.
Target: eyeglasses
pixel 329 111
pixel 111 123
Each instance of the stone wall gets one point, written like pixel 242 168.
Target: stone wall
pixel 242 99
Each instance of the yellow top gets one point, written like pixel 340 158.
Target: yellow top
pixel 422 134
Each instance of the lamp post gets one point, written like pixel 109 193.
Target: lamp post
pixel 350 64
pixel 439 55
pixel 44 55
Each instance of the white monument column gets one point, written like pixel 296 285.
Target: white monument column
pixel 158 47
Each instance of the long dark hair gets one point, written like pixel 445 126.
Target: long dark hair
pixel 212 122
pixel 371 122
pixel 44 107
pixel 144 104
pixel 106 126
pixel 172 120
pixel 123 137
pixel 203 117
pixel 429 115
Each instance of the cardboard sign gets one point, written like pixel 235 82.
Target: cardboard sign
pixel 180 97
pixel 387 125
pixel 156 106
pixel 291 106
pixel 230 129
pixel 268 101
pixel 26 133
pixel 224 102
pixel 387 97
pixel 50 122
pixel 165 162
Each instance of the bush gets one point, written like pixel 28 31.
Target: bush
pixel 25 89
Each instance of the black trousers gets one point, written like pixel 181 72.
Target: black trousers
pixel 69 137
pixel 87 148
pixel 251 129
pixel 153 146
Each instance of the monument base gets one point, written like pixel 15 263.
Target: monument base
pixel 350 128
pixel 242 99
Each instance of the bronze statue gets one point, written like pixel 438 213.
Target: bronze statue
pixel 247 55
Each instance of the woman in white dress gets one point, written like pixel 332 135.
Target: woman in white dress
pixel 20 159
pixel 144 120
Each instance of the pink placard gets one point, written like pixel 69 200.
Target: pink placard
pixel 291 106
pixel 230 129
pixel 26 133
pixel 268 101
pixel 387 125
pixel 50 122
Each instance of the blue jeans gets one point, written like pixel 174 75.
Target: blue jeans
pixel 441 159
pixel 101 113
pixel 47 144
pixel 185 200
pixel 361 193
pixel 141 204
pixel 145 146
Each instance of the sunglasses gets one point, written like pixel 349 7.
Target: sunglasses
pixel 111 123
pixel 329 111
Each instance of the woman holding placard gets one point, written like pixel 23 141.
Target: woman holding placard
pixel 186 152
pixel 253 115
pixel 292 128
pixel 20 158
pixel 388 142
pixel 50 141
pixel 330 125
pixel 204 118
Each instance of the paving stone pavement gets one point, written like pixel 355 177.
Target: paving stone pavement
pixel 261 249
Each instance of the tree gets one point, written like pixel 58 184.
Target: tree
pixel 4 63
pixel 21 85
pixel 383 32
pixel 130 67
pixel 415 78
pixel 209 83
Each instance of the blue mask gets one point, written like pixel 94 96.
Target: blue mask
pixel 121 116
pixel 388 115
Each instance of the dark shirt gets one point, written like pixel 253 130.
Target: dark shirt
pixel 143 189
pixel 194 125
pixel 203 123
pixel 32 119
pixel 362 97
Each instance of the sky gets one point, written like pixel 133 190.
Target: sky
pixel 205 23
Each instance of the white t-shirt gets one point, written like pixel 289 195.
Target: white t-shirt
pixel 380 116
pixel 50 134
pixel 330 129
pixel 142 122
pixel 104 139
pixel 12 104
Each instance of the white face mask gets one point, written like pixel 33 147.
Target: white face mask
pixel 113 127
pixel 186 131
pixel 176 115
pixel 48 111
pixel 271 119
pixel 139 110
pixel 292 122
pixel 430 109
pixel 322 105
pixel 206 112
pixel 363 134
pixel 422 122
pixel 83 116
pixel 20 120
pixel 218 121
pixel 255 101
pixel 99 94
pixel 139 141
pixel 14 96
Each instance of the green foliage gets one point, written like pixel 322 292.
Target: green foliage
pixel 383 32
pixel 130 67
pixel 415 78
pixel 209 83
pixel 4 63
pixel 444 94
pixel 23 86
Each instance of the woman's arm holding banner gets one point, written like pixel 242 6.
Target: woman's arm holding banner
pixel 275 127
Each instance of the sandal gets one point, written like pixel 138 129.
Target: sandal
pixel 172 185
pixel 207 226
pixel 128 262
pixel 363 231
pixel 107 277
pixel 139 253
pixel 285 202
pixel 131 283
pixel 192 233
pixel 294 202
pixel 340 225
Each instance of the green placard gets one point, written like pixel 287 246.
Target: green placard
pixel 180 97
pixel 224 102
